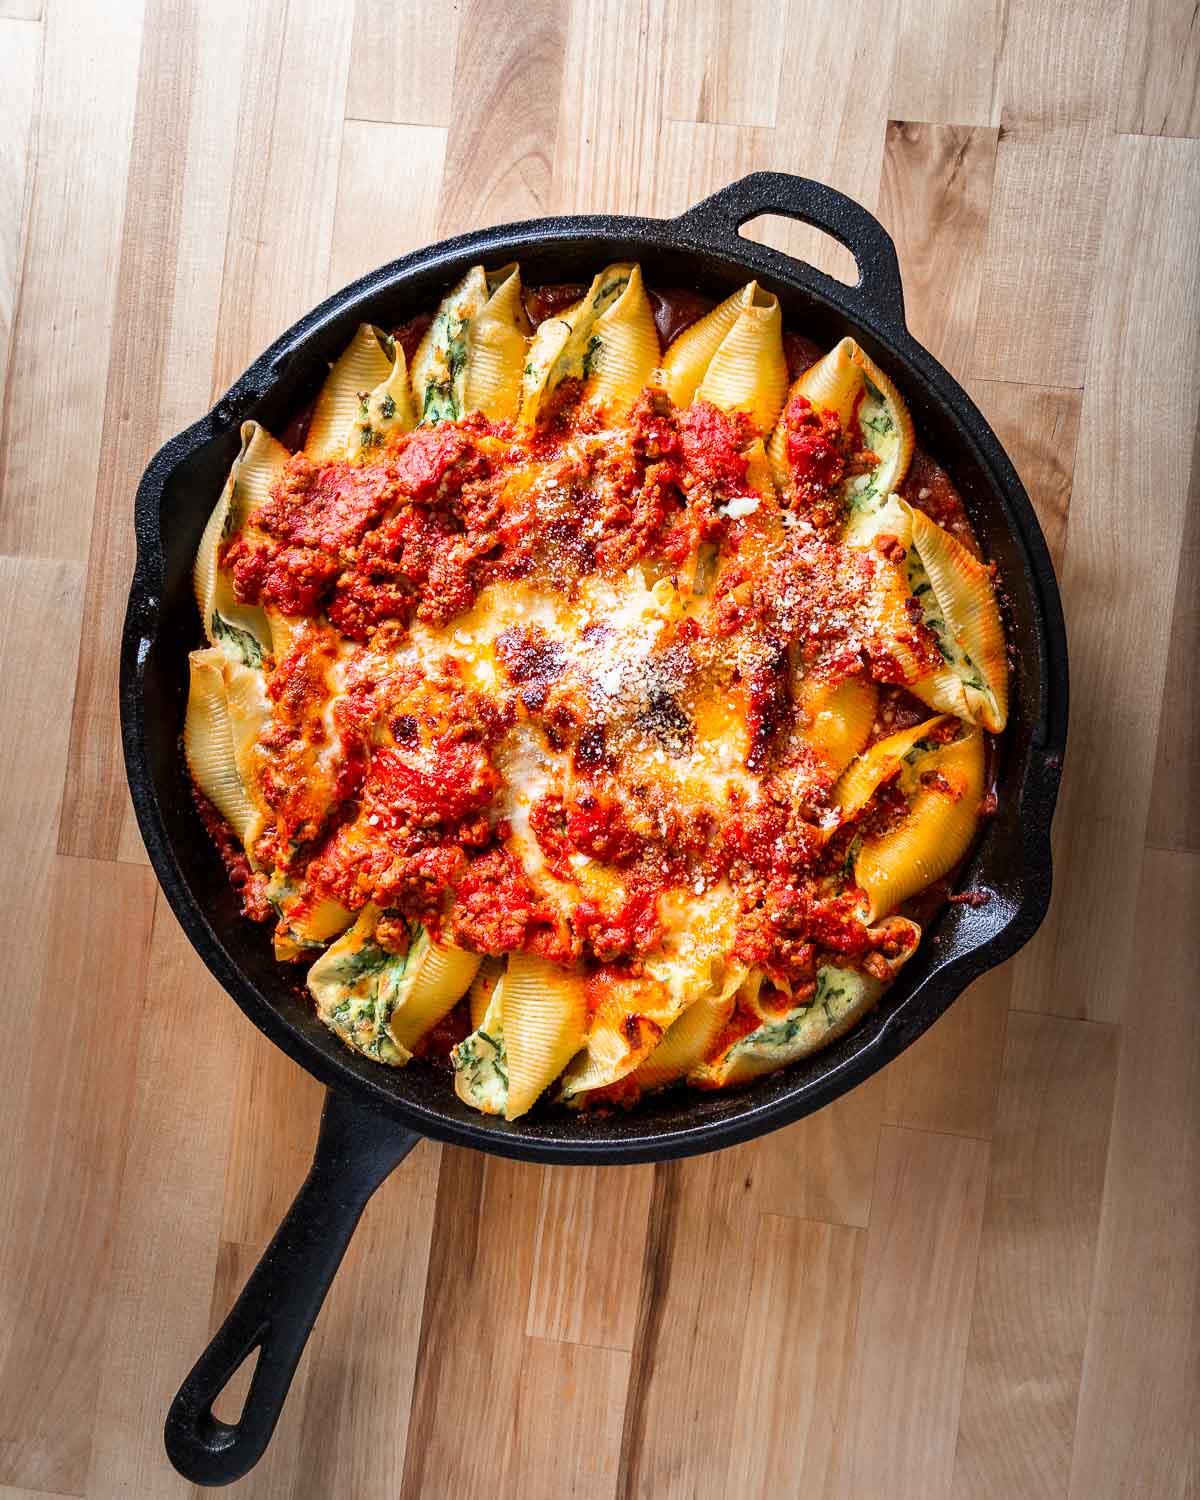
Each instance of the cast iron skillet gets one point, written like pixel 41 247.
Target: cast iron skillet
pixel 374 1116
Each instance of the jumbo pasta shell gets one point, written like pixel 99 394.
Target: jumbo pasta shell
pixel 942 819
pixel 483 987
pixel 972 636
pixel 208 746
pixel 240 630
pixel 545 1015
pixel 626 353
pixel 839 718
pixel 884 759
pixel 436 977
pixel 848 382
pixel 842 997
pixel 748 372
pixel 364 364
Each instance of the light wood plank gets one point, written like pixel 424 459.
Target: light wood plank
pixel 69 1143
pixel 166 1240
pixel 20 81
pixel 1059 66
pixel 39 639
pixel 793 1389
pixel 694 160
pixel 691 1322
pixel 587 1257
pixel 1136 1429
pixel 568 1421
pixel 1036 296
pixel 402 62
pixel 945 70
pixel 723 63
pixel 915 1314
pixel 291 108
pixel 371 228
pixel 160 365
pixel 1057 83
pixel 472 1333
pixel 829 125
pixel 64 321
pixel 934 197
pixel 1174 821
pixel 1037 1255
pixel 500 148
pixel 822 1167
pixel 610 118
pixel 1145 338
pixel 949 1078
pixel 1039 428
pixel 1160 79
pixel 275 1107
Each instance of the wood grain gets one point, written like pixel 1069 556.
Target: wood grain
pixel 160 364
pixel 822 1167
pixel 1136 1429
pixel 1039 428
pixel 691 1326
pixel 948 1079
pixel 604 155
pixel 935 197
pixel 276 1108
pixel 374 1312
pixel 291 106
pixel 371 229
pixel 1145 339
pixel 63 323
pixel 914 1316
pixel 799 1340
pixel 500 149
pixel 166 1250
pixel 1174 819
pixel 402 63
pixel 978 1274
pixel 587 1256
pixel 472 1332
pixel 39 640
pixel 724 63
pixel 1160 79
pixel 57 1249
pixel 1037 1255
pixel 20 79
pixel 946 55
pixel 825 66
pixel 1057 82
pixel 568 1421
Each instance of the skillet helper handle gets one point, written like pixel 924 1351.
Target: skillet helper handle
pixel 356 1149
pixel 716 221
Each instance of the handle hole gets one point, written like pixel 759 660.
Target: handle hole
pixel 230 1401
pixel 804 243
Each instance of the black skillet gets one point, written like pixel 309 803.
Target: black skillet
pixel 373 1116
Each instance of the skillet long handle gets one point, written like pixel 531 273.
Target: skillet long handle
pixel 356 1149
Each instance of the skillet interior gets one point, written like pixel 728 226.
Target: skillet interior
pixel 1012 860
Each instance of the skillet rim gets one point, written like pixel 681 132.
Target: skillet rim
pixel 875 307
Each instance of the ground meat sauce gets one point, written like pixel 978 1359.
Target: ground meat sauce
pixel 388 781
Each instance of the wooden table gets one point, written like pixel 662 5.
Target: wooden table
pixel 979 1274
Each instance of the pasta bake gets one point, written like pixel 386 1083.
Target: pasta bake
pixel 598 689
